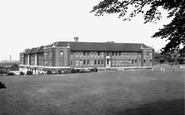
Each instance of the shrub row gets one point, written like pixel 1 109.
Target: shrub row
pixel 73 70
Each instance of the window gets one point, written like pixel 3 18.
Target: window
pixel 150 60
pixel 84 53
pixel 87 62
pixel 45 53
pixel 84 62
pixel 120 62
pixel 147 53
pixel 81 54
pixel 98 53
pixel 80 62
pixel 135 60
pixel 144 60
pixel 101 61
pixel 94 62
pixel 71 62
pixel 102 54
pixel 132 61
pixel 107 53
pixel 50 54
pixel 113 62
pixel 119 53
pixel 129 61
pixel 117 62
pixel 98 61
pixel 61 53
pixel 76 62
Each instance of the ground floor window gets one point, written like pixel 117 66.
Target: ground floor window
pixel 87 62
pixel 84 62
pixel 98 61
pixel 101 61
pixel 94 62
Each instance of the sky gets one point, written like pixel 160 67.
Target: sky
pixel 32 23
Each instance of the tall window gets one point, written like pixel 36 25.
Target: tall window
pixel 61 53
pixel 135 60
pixel 87 62
pixel 132 61
pixel 147 53
pixel 98 53
pixel 119 53
pixel 76 62
pixel 101 61
pixel 113 62
pixel 84 62
pixel 98 61
pixel 119 61
pixel 94 62
pixel 50 55
pixel 80 62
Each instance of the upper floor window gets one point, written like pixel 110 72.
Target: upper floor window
pixel 87 53
pixel 50 54
pixel 147 53
pixel 98 53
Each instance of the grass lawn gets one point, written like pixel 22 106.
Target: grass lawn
pixel 142 92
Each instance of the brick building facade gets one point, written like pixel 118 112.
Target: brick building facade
pixel 60 55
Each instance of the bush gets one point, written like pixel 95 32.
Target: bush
pixel 3 71
pixel 10 73
pixel 49 72
pixel 94 69
pixel 75 70
pixel 29 73
pixel 2 85
pixel 22 73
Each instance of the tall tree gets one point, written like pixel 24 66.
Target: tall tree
pixel 174 32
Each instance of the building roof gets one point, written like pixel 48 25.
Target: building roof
pixel 41 49
pixel 28 51
pixel 34 50
pixel 101 46
pixel 91 46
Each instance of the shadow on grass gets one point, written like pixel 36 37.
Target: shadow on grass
pixel 172 107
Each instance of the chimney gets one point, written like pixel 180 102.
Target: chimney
pixel 76 39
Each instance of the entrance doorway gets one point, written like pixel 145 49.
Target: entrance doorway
pixel 108 62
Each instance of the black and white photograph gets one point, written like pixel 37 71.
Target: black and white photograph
pixel 92 57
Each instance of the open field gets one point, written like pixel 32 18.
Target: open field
pixel 142 92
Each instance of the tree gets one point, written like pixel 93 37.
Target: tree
pixel 174 32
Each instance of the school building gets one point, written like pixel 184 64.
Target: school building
pixel 86 55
